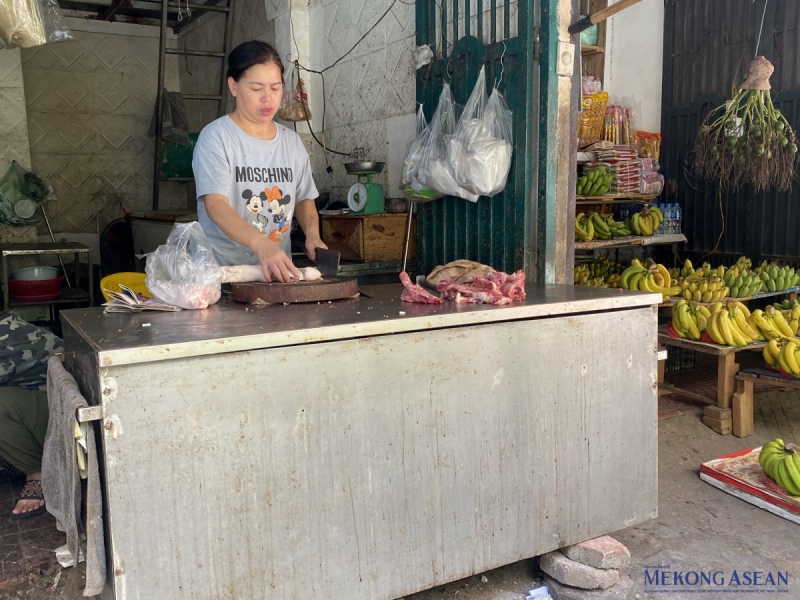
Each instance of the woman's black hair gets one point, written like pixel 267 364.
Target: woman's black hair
pixel 247 54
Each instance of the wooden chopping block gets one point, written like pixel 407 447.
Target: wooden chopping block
pixel 331 288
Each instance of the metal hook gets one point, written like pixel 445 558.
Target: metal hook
pixel 502 66
pixel 447 70
pixel 188 10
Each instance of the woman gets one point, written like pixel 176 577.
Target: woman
pixel 24 351
pixel 253 176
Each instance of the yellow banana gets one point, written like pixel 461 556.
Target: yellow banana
pixel 712 329
pixel 774 348
pixel 716 307
pixel 725 327
pixel 665 274
pixel 768 358
pixel 703 310
pixel 743 309
pixel 739 339
pixel 789 350
pixel 780 322
pixel 702 321
pixel 741 321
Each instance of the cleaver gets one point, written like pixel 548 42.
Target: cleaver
pixel 328 261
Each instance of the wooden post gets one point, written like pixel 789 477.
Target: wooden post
pixel 726 371
pixel 743 406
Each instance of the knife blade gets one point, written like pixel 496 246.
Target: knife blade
pixel 328 261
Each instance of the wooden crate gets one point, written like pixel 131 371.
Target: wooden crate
pixel 369 238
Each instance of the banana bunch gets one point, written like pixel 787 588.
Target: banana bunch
pixel 781 463
pixel 584 230
pixel 704 270
pixel 786 304
pixel 606 227
pixel 595 182
pixel 771 324
pixel 646 221
pixel 728 325
pixel 653 278
pixel 689 321
pixel 701 288
pixel 782 354
pixel 743 285
pixel 777 279
pixel 601 273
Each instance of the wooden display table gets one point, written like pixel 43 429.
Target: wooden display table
pixel 726 367
pixel 743 396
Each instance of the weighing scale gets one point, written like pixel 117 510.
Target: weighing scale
pixel 365 197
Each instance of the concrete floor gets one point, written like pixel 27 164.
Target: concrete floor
pixel 699 528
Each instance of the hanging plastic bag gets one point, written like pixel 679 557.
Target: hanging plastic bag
pixel 480 148
pixel 428 169
pixel 183 272
pixel 21 193
pixel 413 162
pixel 29 23
pixel 295 102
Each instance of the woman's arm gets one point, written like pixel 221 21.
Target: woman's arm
pixel 306 214
pixel 274 262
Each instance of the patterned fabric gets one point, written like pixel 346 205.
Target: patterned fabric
pixel 24 350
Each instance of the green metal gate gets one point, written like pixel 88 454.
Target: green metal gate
pixel 465 35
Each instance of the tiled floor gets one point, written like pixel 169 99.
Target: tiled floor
pixel 25 545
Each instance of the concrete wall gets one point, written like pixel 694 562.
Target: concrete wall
pixel 369 95
pixel 200 75
pixel 634 61
pixel 89 106
pixel 13 132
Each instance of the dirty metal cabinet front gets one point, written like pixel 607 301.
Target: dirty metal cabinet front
pixel 351 450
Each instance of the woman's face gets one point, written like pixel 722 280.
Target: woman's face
pixel 258 92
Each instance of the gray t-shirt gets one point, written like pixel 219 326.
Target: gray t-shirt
pixel 262 180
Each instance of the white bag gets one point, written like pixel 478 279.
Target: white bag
pixel 479 152
pixel 429 170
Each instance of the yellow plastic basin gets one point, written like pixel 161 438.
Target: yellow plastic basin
pixel 134 281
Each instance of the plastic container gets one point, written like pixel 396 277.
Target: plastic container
pixel 678 219
pixel 132 280
pixel 35 274
pixel 35 290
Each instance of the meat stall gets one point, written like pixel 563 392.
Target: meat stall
pixel 367 448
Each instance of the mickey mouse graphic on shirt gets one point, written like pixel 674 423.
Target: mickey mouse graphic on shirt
pixel 277 207
pixel 255 203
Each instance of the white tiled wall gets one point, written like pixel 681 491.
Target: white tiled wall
pixel 370 93
pixel 89 106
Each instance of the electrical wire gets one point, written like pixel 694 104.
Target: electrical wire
pixel 722 231
pixel 321 72
pixel 761 30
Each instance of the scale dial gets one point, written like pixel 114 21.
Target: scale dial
pixel 357 197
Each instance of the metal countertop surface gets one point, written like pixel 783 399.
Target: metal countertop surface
pixel 121 339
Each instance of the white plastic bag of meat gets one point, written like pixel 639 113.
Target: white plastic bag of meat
pixel 183 272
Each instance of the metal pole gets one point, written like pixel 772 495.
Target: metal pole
pixel 162 57
pixel 52 237
pixel 408 232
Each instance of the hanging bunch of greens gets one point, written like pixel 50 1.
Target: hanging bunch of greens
pixel 748 140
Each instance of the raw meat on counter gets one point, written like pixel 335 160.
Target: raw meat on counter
pixel 414 293
pixel 248 273
pixel 492 288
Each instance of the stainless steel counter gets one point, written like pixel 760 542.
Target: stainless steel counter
pixel 121 339
pixel 348 450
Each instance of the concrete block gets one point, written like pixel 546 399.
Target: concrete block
pixel 622 590
pixel 577 574
pixel 603 552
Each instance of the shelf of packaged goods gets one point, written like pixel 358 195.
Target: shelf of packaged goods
pixel 632 240
pixel 791 291
pixel 617 198
pixel 589 50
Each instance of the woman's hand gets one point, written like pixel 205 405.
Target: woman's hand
pixel 275 265
pixel 312 243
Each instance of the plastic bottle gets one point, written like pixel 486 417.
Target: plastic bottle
pixel 669 219
pixel 678 218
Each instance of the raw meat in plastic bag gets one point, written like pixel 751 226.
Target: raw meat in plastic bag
pixel 183 272
pixel 479 152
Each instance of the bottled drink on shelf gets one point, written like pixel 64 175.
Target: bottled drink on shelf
pixel 678 218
